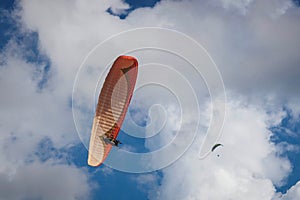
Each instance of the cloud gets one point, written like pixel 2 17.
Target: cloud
pixel 240 5
pixel 293 193
pixel 248 166
pixel 44 181
pixel 28 115
pixel 69 30
pixel 27 110
pixel 148 183
pixel 119 8
pixel 254 46
pixel 255 53
pixel 66 31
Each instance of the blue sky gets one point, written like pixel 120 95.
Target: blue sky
pixel 40 55
pixel 134 5
pixel 281 134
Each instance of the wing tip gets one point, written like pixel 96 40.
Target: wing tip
pixel 135 61
pixel 93 162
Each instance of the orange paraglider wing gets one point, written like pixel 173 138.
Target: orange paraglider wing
pixel 112 106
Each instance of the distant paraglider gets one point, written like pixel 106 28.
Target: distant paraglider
pixel 216 146
pixel 111 109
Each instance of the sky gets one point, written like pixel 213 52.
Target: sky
pixel 53 53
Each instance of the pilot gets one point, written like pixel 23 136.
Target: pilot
pixel 116 142
pixel 111 141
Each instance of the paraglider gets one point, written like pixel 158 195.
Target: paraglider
pixel 112 106
pixel 216 146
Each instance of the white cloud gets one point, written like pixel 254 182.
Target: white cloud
pixel 239 5
pixel 119 7
pixel 67 31
pixel 27 116
pixel 45 181
pixel 293 193
pixel 26 110
pixel 149 184
pixel 256 54
pixel 247 167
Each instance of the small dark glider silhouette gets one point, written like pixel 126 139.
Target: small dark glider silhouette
pixel 215 146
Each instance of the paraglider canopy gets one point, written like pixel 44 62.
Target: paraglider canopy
pixel 216 146
pixel 112 106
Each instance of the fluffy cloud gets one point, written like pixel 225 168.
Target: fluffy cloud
pixel 247 167
pixel 66 32
pixel 27 109
pixel 28 115
pixel 256 53
pixel 255 46
pixel 69 30
pixel 293 193
pixel 44 181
